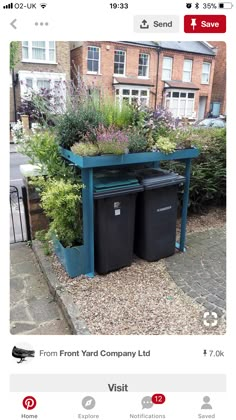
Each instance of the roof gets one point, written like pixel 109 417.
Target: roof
pixel 197 47
pixel 180 84
pixel 131 81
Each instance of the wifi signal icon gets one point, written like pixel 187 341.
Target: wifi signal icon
pixel 43 5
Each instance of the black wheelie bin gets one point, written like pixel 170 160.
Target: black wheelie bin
pixel 114 220
pixel 156 214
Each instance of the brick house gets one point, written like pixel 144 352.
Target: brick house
pixel 41 64
pixel 176 75
pixel 218 97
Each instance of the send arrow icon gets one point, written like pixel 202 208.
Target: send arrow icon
pixel 144 25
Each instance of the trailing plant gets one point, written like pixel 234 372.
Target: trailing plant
pixel 85 149
pixel 61 201
pixel 14 54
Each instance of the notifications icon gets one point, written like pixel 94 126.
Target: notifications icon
pixel 29 403
pixel 147 402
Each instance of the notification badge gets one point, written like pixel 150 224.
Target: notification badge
pixel 204 24
pixel 29 403
pixel 158 399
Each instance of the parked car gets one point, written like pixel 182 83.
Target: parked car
pixel 210 123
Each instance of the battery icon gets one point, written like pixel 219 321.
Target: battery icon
pixel 225 5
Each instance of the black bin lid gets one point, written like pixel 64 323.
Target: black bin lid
pixel 152 178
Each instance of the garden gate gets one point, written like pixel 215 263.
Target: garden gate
pixel 19 228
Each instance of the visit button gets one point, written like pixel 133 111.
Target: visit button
pixel 204 24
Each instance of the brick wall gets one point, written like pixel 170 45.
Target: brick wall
pixel 177 74
pixel 62 66
pixel 37 218
pixel 219 80
pixel 105 79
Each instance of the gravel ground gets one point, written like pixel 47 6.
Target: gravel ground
pixel 215 218
pixel 141 299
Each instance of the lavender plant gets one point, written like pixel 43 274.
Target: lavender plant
pixel 111 140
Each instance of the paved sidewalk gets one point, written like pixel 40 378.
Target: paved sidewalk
pixel 13 148
pixel 201 271
pixel 33 309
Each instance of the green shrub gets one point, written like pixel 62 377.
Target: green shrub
pixel 61 201
pixel 85 149
pixel 42 150
pixel 137 141
pixel 74 124
pixel 165 145
pixel 208 175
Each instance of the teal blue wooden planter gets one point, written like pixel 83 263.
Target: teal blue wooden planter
pixel 82 261
pixel 127 159
pixel 73 259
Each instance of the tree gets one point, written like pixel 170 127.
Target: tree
pixel 14 58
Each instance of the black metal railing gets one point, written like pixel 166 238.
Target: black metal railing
pixel 16 211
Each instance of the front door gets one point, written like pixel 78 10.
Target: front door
pixel 202 107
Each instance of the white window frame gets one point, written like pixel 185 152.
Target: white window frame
pixel 119 74
pixel 164 68
pixel 192 100
pixel 99 60
pixel 147 76
pixel 130 96
pixel 34 60
pixel 187 71
pixel 39 75
pixel 209 73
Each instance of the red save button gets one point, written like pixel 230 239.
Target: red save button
pixel 204 24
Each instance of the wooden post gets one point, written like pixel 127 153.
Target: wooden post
pixel 25 123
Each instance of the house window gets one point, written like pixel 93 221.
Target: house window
pixel 25 49
pixel 143 65
pixel 132 95
pixel 206 68
pixel 187 70
pixel 180 103
pixel 43 84
pixel 119 62
pixel 29 83
pixel 167 68
pixel 39 51
pixel 93 60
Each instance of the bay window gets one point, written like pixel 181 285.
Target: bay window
pixel 180 103
pixel 132 95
